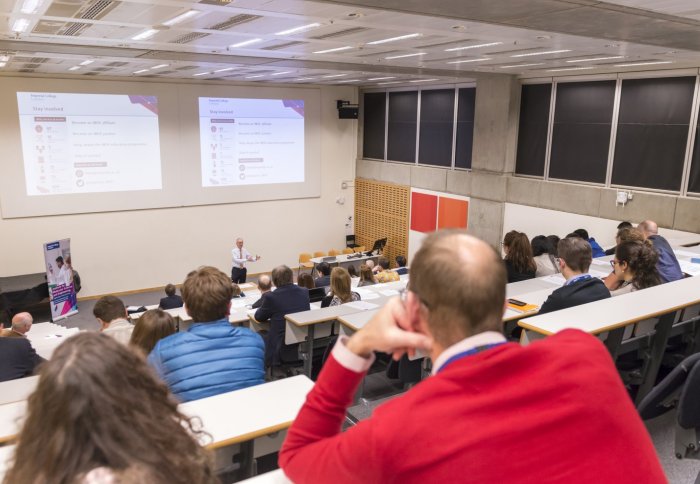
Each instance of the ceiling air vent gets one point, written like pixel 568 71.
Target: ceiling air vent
pixel 283 46
pixel 94 10
pixel 31 66
pixel 341 33
pixel 184 39
pixel 233 21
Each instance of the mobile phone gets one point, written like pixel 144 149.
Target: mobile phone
pixel 515 302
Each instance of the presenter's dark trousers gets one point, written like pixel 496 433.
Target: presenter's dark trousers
pixel 238 274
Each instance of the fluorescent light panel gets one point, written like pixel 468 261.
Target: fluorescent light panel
pixel 477 46
pixel 349 80
pixel 87 62
pixel 424 80
pixel 563 69
pixel 146 34
pixel 521 65
pixel 3 64
pixel 470 60
pixel 281 73
pixel 337 49
pixel 4 58
pixel 387 83
pixel 201 74
pixel 301 28
pixel 333 75
pixel 245 42
pixel 381 78
pixel 594 59
pixel 74 68
pixel 544 52
pixel 393 39
pixel 255 76
pixel 182 17
pixel 405 55
pixel 31 6
pixel 159 66
pixel 140 71
pixel 20 25
pixel 226 69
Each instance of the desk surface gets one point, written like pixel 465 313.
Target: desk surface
pixel 17 390
pixel 7 452
pixel 11 419
pixel 242 415
pixel 615 312
pixel 274 477
pixel 343 258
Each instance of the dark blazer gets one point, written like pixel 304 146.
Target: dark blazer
pixel 17 358
pixel 170 302
pixel 515 276
pixel 259 302
pixel 276 304
pixel 579 292
pixel 323 281
pixel 667 265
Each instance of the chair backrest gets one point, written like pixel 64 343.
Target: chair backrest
pixel 689 402
pixel 653 404
pixel 349 240
pixel 317 294
pixel 319 253
pixel 348 250
pixel 304 257
pixel 333 252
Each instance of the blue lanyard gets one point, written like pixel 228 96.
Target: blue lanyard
pixel 582 277
pixel 472 351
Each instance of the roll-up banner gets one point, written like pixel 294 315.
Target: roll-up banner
pixel 59 274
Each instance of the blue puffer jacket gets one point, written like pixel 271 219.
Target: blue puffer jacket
pixel 208 359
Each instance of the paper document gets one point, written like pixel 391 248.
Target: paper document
pixel 389 292
pixel 690 268
pixel 239 302
pixel 686 253
pixel 601 262
pixel 132 308
pixel 315 305
pixel 361 305
pixel 557 279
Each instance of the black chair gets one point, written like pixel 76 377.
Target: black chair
pixel 680 388
pixel 350 241
pixel 317 294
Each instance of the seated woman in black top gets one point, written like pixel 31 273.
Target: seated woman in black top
pixel 341 291
pixel 519 261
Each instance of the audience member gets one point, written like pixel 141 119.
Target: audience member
pixel 580 287
pixel 98 415
pixel 305 280
pixel 519 262
pixel 324 275
pixel 366 276
pixel 625 234
pixel 370 264
pixel 17 358
pixel 553 243
pixel 265 286
pixel 668 266
pixel 401 268
pixel 352 270
pixel 286 299
pixel 544 259
pixel 111 314
pixel 212 356
pixel 620 226
pixel 340 292
pixel 596 249
pixel 21 324
pixel 237 292
pixel 171 300
pixel 384 274
pixel 469 414
pixel 151 327
pixel 634 266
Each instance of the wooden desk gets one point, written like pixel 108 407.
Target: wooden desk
pixel 17 390
pixel 613 315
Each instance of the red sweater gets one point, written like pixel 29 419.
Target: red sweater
pixel 554 411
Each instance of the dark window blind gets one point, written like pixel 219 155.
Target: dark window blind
pixel 374 114
pixel 465 127
pixel 403 112
pixel 532 132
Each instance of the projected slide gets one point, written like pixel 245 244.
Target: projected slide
pixel 251 141
pixel 86 143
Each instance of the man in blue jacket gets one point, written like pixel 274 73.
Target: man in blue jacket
pixel 667 265
pixel 212 356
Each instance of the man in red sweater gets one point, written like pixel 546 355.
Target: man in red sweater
pixel 552 412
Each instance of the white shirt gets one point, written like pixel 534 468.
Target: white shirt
pixel 240 256
pixel 63 275
pixel 120 329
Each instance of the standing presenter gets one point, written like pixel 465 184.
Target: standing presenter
pixel 240 257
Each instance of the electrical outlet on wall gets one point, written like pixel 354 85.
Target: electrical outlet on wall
pixel 623 197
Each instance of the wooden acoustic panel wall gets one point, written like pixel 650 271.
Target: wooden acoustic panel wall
pixel 382 210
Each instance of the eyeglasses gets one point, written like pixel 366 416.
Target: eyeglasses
pixel 403 294
pixel 613 262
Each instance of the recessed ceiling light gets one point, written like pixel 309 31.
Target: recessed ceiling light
pixel 301 28
pixel 20 25
pixel 381 78
pixel 521 65
pixel 281 73
pixel 305 79
pixel 74 68
pixel 387 83
pixel 470 60
pixel 570 69
pixel 349 80
pixel 244 43
pixel 3 64
pixel 146 34
pixel 140 71
pixel 31 6
pixel 454 49
pixel 255 76
pixel 392 39
pixel 159 66
pixel 337 49
pixel 4 58
pixel 201 74
pixel 424 80
pixel 643 63
pixel 544 52
pixel 87 62
pixel 226 69
pixel 405 55
pixel 333 75
pixel 182 17
pixel 594 59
